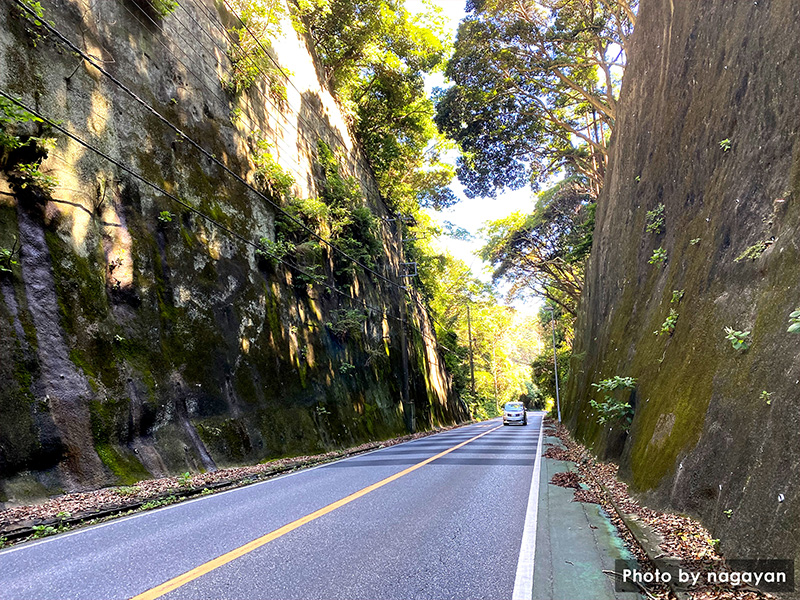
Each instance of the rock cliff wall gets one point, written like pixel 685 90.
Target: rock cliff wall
pixel 708 128
pixel 135 346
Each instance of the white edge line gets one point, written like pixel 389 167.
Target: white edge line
pixel 523 583
pixel 183 503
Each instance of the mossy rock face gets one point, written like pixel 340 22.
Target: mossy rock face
pixel 704 439
pixel 193 352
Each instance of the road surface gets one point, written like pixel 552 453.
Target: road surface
pixel 441 517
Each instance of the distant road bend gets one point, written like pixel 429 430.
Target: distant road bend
pixel 440 517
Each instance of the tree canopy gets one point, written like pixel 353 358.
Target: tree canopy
pixel 375 55
pixel 544 253
pixel 535 90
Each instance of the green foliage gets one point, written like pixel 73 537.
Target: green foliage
pixel 249 56
pixel 10 115
pixel 544 253
pixel 40 531
pixel 36 19
pixel 728 513
pixel 668 326
pixel 613 410
pixel 659 256
pixel 351 224
pixel 346 323
pixel 29 175
pixel 185 480
pixel 753 252
pixel 535 91
pixel 375 55
pixel 766 397
pixel 794 322
pixel 615 383
pixel 164 8
pixel 677 296
pixel 725 145
pixel 694 241
pixel 268 172
pixel 738 339
pixel 346 368
pixel 655 219
pixel 128 490
pixel 159 502
pixel 274 252
pixel 24 175
pixel 165 216
pixel 7 260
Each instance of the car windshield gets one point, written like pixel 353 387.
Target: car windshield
pixel 513 406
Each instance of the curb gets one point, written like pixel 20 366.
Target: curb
pixel 21 533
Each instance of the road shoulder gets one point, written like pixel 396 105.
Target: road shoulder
pixel 575 542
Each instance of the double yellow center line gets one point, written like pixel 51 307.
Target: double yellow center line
pixel 201 570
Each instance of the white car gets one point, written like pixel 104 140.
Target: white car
pixel 514 412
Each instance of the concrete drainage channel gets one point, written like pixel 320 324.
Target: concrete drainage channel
pixel 10 535
pixel 646 538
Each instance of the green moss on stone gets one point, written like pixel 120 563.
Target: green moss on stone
pixel 123 464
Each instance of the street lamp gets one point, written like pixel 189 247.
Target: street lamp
pixel 555 359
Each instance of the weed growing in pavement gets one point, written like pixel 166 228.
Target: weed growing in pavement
pixel 766 397
pixel 725 145
pixel 677 296
pixel 738 339
pixel 728 513
pixel 159 502
pixel 40 531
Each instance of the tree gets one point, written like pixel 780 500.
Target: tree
pixel 542 368
pixel 535 90
pixel 544 253
pixel 375 55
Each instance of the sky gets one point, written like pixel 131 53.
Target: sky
pixel 471 214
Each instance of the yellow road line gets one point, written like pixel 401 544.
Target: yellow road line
pixel 201 570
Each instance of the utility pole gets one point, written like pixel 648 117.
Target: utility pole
pixel 408 406
pixel 555 359
pixel 471 363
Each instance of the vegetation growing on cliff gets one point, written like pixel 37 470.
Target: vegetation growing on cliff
pixel 375 55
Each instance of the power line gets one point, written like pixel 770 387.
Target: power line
pixel 120 165
pixel 289 80
pixel 208 89
pixel 202 150
pixel 216 161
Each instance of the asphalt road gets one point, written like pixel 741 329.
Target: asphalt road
pixel 451 528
